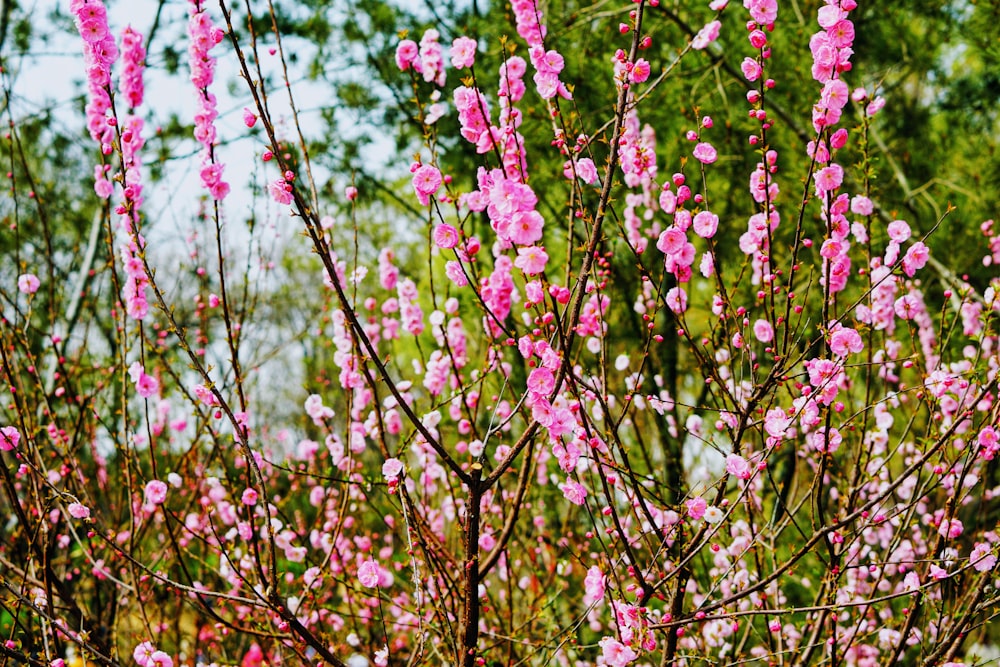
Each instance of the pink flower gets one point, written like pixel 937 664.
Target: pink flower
pixel 281 191
pixel 982 557
pixel 671 241
pixel 593 585
pixel 249 497
pixel 705 224
pixel 615 653
pixel 368 574
pixel 249 117
pixel 776 422
pixel 677 300
pixel 574 492
pixel 392 469
pixel 696 507
pixel 541 382
pixel 453 270
pixel 706 35
pixel 145 385
pixel 445 236
pixel 351 193
pixel 751 69
pixel 640 70
pixel 845 341
pixel 156 492
pixel 143 654
pixel 9 438
pixel 406 54
pixel 531 260
pixel 861 205
pixel 705 153
pixel 78 511
pixel 426 181
pixel 28 283
pixel 938 573
pixel 899 231
pixel 585 170
pixel 738 466
pixel 915 258
pixel 951 528
pixel 463 52
pixel 763 331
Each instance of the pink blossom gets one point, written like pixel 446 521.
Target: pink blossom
pixel 899 231
pixel 615 653
pixel 593 585
pixel 738 466
pixel 696 507
pixel 705 153
pixel 143 654
pixel 406 54
pixel 951 528
pixel 845 341
pixel 763 331
pixel 78 511
pixel 938 573
pixel 392 469
pixel 705 224
pixel 706 35
pixel 677 300
pixel 463 52
pixel 145 385
pixel 426 181
pixel 751 69
pixel 281 191
pixel 156 492
pixel 776 422
pixel 671 241
pixel 531 260
pixel 584 170
pixel 445 236
pixel 368 574
pixel 640 70
pixel 541 381
pixel 249 497
pixel 861 205
pixel 453 270
pixel 249 117
pixel 915 258
pixel 574 492
pixel 982 557
pixel 28 283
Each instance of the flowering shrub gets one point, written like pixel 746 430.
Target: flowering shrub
pixel 770 438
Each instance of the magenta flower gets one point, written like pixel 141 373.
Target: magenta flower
pixel 406 54
pixel 9 438
pixel 640 70
pixel 249 117
pixel 705 153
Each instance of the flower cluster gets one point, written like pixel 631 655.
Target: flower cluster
pixel 204 36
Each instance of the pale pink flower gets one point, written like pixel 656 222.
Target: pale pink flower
pixel 78 511
pixel 28 283
pixel 915 258
pixel 574 492
pixel 156 492
pixel 738 466
pixel 531 260
pixel 982 557
pixel 763 331
pixel 368 574
pixel 593 585
pixel 615 653
pixel 751 69
pixel 677 300
pixel 899 231
pixel 705 224
pixel 426 181
pixel 249 497
pixel 951 528
pixel 706 35
pixel 776 422
pixel 392 469
pixel 846 341
pixel 463 52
